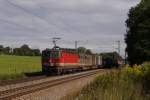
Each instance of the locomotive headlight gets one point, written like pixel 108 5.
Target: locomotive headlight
pixel 50 60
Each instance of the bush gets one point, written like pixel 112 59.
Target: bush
pixel 133 73
pixel 146 77
pixel 111 87
pixel 146 69
pixel 128 84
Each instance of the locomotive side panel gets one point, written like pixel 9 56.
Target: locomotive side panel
pixel 68 59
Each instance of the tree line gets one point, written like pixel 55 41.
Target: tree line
pixel 24 50
pixel 138 33
pixel 84 50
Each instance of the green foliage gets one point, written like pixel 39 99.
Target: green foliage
pixel 83 50
pixel 140 74
pixel 111 87
pixel 146 77
pixel 88 51
pixel 129 84
pixel 36 52
pixel 25 50
pixel 138 33
pixel 134 73
pixel 110 59
pixel 6 50
pixel 16 66
pixel 146 69
pixel 1 49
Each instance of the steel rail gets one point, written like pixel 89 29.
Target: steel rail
pixel 18 81
pixel 17 92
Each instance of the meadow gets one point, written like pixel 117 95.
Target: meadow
pixel 16 66
pixel 127 84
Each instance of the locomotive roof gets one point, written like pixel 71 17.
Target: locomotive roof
pixel 61 49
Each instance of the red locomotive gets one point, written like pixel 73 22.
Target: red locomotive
pixel 62 60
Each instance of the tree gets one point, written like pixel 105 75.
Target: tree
pixel 88 51
pixel 36 52
pixel 25 49
pixel 138 33
pixel 17 51
pixel 1 49
pixel 84 50
pixel 7 50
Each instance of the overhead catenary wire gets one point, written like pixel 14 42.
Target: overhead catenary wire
pixel 69 28
pixel 16 24
pixel 34 14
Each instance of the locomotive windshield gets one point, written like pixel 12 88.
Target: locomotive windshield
pixel 50 54
pixel 54 55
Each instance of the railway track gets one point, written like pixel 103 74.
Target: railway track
pixel 22 80
pixel 20 91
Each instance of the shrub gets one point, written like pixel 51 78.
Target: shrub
pixel 132 83
pixel 146 77
pixel 133 73
pixel 111 87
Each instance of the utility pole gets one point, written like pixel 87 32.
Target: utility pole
pixel 76 44
pixel 118 47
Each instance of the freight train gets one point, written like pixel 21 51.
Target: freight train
pixel 62 60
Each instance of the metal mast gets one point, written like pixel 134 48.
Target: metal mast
pixel 119 46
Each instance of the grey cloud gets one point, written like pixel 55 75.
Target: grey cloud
pixel 100 22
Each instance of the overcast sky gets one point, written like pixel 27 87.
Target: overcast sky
pixel 96 24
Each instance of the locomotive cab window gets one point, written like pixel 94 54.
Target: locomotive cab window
pixel 54 54
pixel 48 54
pixel 45 54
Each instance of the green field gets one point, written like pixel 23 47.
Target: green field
pixel 16 66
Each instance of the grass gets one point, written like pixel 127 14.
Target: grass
pixel 129 84
pixel 16 66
